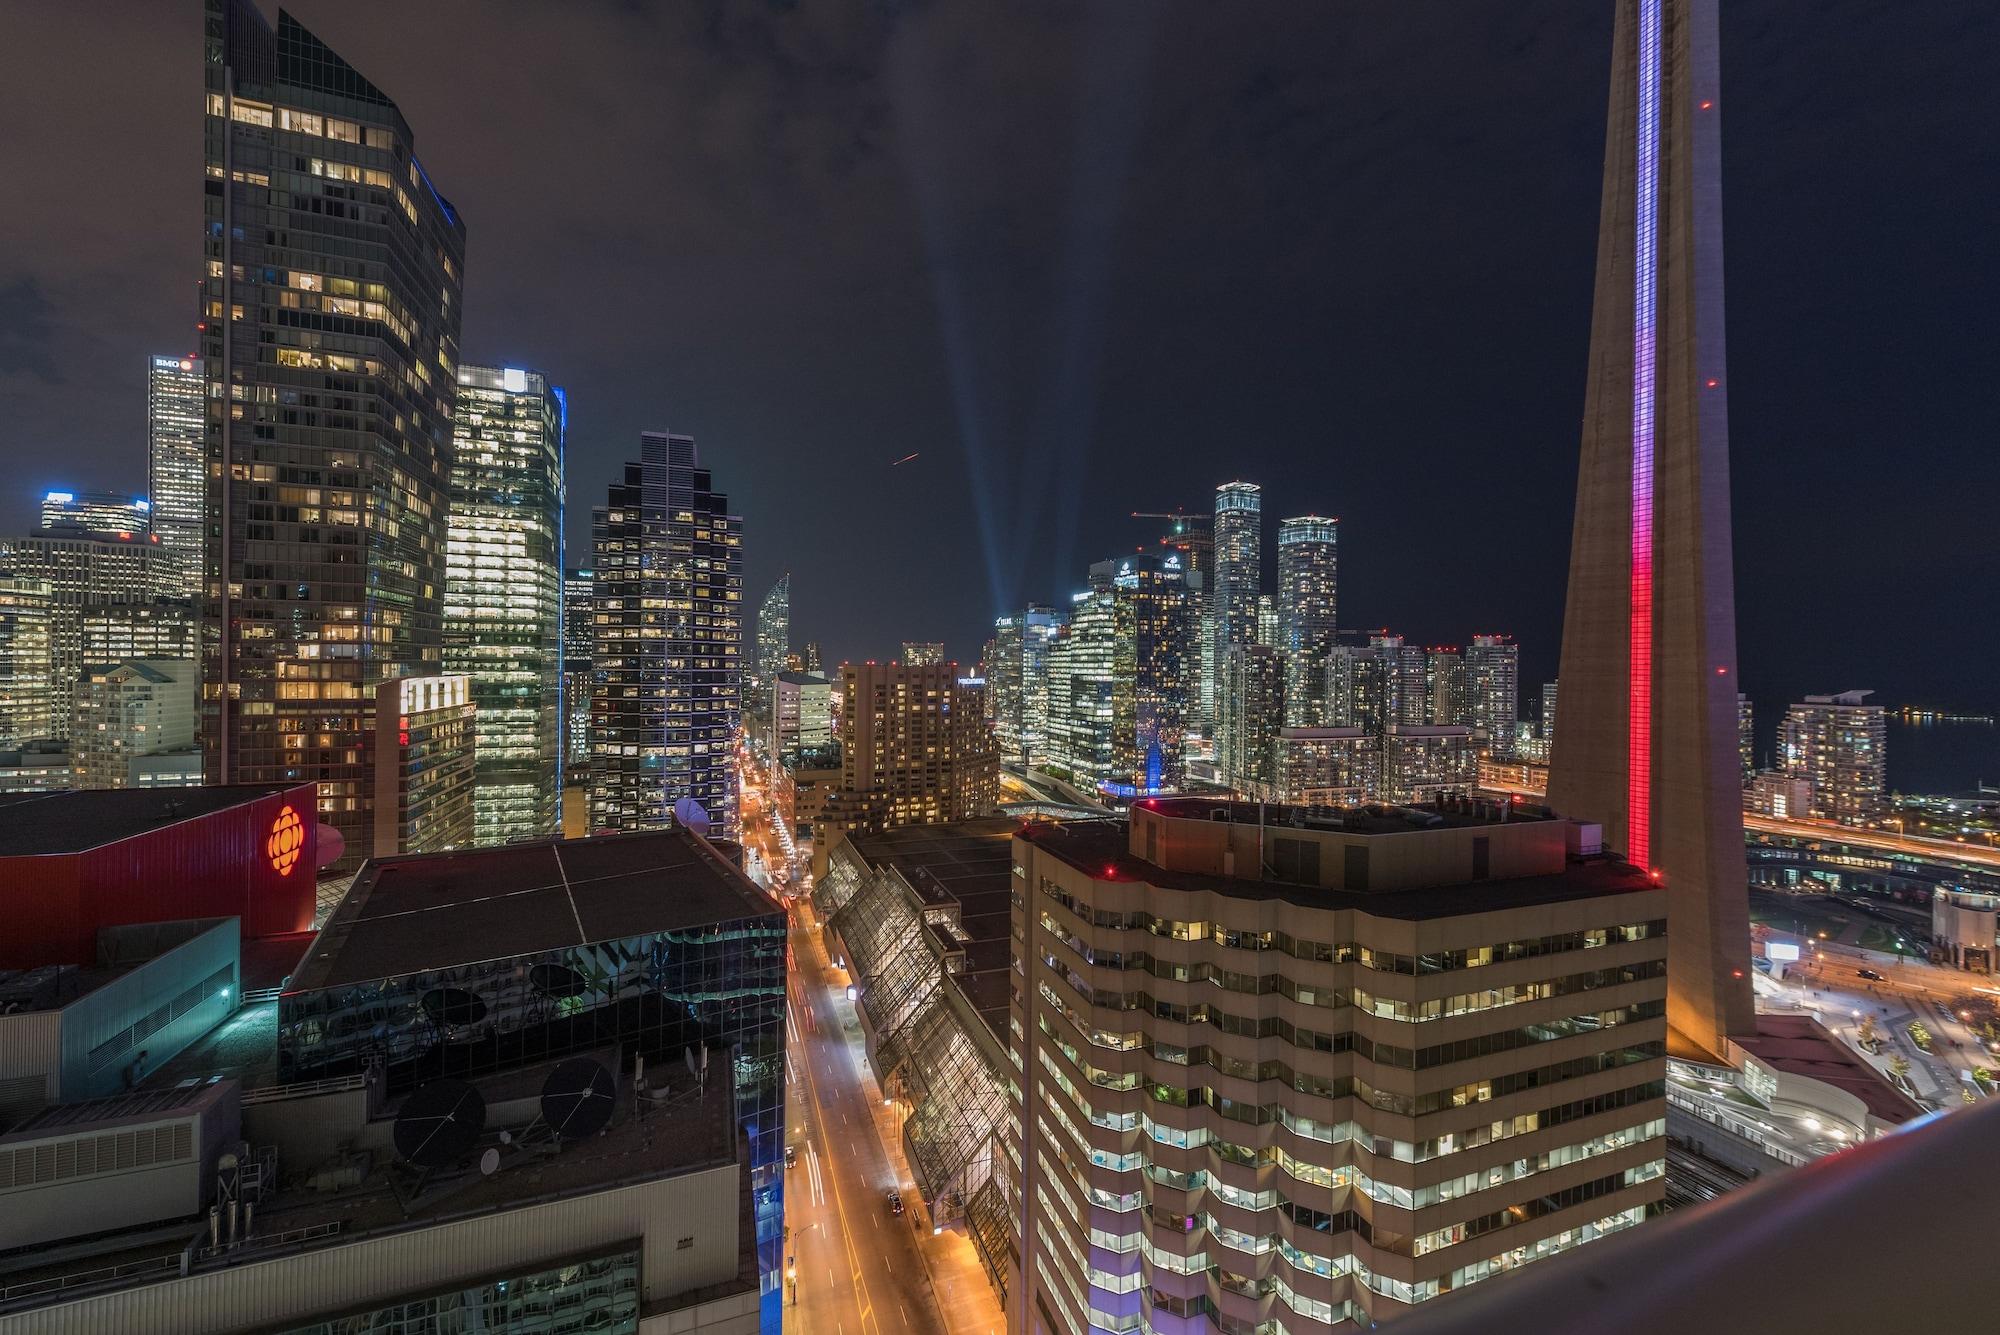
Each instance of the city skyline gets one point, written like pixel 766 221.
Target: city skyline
pixel 1271 405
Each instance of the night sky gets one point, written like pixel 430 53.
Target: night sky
pixel 1090 260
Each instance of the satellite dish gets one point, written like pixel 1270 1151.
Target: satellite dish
pixel 453 1005
pixel 577 1098
pixel 439 1123
pixel 489 1163
pixel 688 1054
pixel 692 814
pixel 557 982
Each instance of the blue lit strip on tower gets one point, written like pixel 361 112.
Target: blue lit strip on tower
pixel 1645 297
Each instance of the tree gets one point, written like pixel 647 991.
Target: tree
pixel 1899 1067
pixel 1867 1032
pixel 1920 1034
pixel 1982 1075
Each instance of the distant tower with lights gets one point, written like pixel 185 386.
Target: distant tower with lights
pixel 1646 740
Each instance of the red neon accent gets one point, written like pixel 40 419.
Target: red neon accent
pixel 1706 105
pixel 1713 383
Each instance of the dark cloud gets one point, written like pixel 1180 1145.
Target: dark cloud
pixel 1087 259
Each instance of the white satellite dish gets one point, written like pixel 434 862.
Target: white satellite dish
pixel 688 1054
pixel 489 1163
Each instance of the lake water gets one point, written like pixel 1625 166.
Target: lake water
pixel 1942 757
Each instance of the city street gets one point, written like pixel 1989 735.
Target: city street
pixel 860 1269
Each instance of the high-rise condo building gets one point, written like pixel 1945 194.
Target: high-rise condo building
pixel 1445 682
pixel 1419 761
pixel 667 694
pixel 1082 678
pixel 1279 1071
pixel 1361 688
pixel 128 711
pixel 503 614
pixel 1149 692
pixel 809 657
pixel 1307 607
pixel 1408 668
pixel 1549 711
pixel 1192 539
pixel 1839 743
pixel 332 273
pixel 1646 741
pixel 1328 767
pixel 923 653
pixel 1493 683
pixel 774 631
pixel 914 750
pixel 118 628
pixel 579 652
pixel 97 512
pixel 27 670
pixel 85 570
pixel 1746 735
pixel 1232 594
pixel 177 461
pixel 1267 620
pixel 1253 712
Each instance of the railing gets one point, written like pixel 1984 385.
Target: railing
pixel 1833 1246
pixel 106 1274
pixel 304 1089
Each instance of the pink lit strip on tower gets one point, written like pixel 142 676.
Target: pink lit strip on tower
pixel 1645 267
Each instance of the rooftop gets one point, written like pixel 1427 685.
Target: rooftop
pixel 969 864
pixel 1800 1045
pixel 1373 819
pixel 433 910
pixel 1099 848
pixel 47 824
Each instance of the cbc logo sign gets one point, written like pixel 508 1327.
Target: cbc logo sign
pixel 286 841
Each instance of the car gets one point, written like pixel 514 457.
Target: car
pixel 895 1201
pixel 1870 975
pixel 791 1156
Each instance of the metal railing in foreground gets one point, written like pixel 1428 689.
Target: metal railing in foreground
pixel 1893 1235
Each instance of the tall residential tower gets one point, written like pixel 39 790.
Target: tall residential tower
pixel 177 462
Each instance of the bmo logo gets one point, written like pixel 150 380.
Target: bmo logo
pixel 285 842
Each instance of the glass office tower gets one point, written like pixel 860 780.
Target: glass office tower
pixel 332 271
pixel 667 690
pixel 176 461
pixel 503 614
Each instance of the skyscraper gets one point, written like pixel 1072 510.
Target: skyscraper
pixel 1746 735
pixel 1188 1164
pixel 177 461
pixel 579 654
pixel 1493 686
pixel 1082 679
pixel 1308 583
pixel 503 614
pixel 97 512
pixel 667 694
pixel 1149 692
pixel 1646 739
pixel 774 631
pixel 1444 672
pixel 1232 595
pixel 84 570
pixel 1839 743
pixel 332 271
pixel 1041 627
pixel 1003 686
pixel 1253 712
pixel 1192 539
pixel 26 668
pixel 914 750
